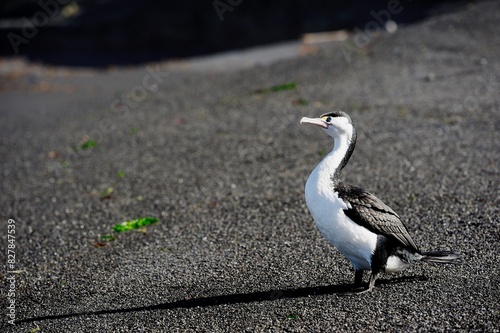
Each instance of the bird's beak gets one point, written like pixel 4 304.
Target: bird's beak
pixel 315 121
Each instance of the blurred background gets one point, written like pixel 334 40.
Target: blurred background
pixel 118 32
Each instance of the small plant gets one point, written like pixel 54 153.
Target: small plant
pixel 107 193
pixel 134 224
pixel 108 238
pixel 88 144
pixel 278 87
pixel 137 224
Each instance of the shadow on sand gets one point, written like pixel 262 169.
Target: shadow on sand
pixel 259 296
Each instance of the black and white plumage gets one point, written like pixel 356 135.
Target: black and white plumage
pixel 368 232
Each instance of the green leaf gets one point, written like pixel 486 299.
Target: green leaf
pixel 88 144
pixel 134 224
pixel 284 86
pixel 108 238
pixel 278 87
pixel 120 174
pixel 107 192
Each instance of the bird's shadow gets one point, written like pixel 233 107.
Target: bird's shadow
pixel 259 296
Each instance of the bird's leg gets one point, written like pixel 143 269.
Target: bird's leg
pixel 371 283
pixel 373 278
pixel 358 277
pixel 358 281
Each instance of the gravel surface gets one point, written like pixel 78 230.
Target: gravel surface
pixel 222 161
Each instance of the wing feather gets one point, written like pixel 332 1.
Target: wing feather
pixel 369 211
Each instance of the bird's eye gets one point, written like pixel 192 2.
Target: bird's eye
pixel 328 119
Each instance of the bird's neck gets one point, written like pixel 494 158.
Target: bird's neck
pixel 334 162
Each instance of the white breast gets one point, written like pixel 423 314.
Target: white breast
pixel 352 240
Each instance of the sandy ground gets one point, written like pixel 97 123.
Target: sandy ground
pixel 221 161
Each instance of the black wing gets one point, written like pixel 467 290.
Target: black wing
pixel 370 212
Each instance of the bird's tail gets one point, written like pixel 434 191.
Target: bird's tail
pixel 442 257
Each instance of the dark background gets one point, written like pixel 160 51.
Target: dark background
pixel 101 33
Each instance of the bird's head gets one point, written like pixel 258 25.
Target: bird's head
pixel 336 124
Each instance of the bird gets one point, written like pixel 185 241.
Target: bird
pixel 364 229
